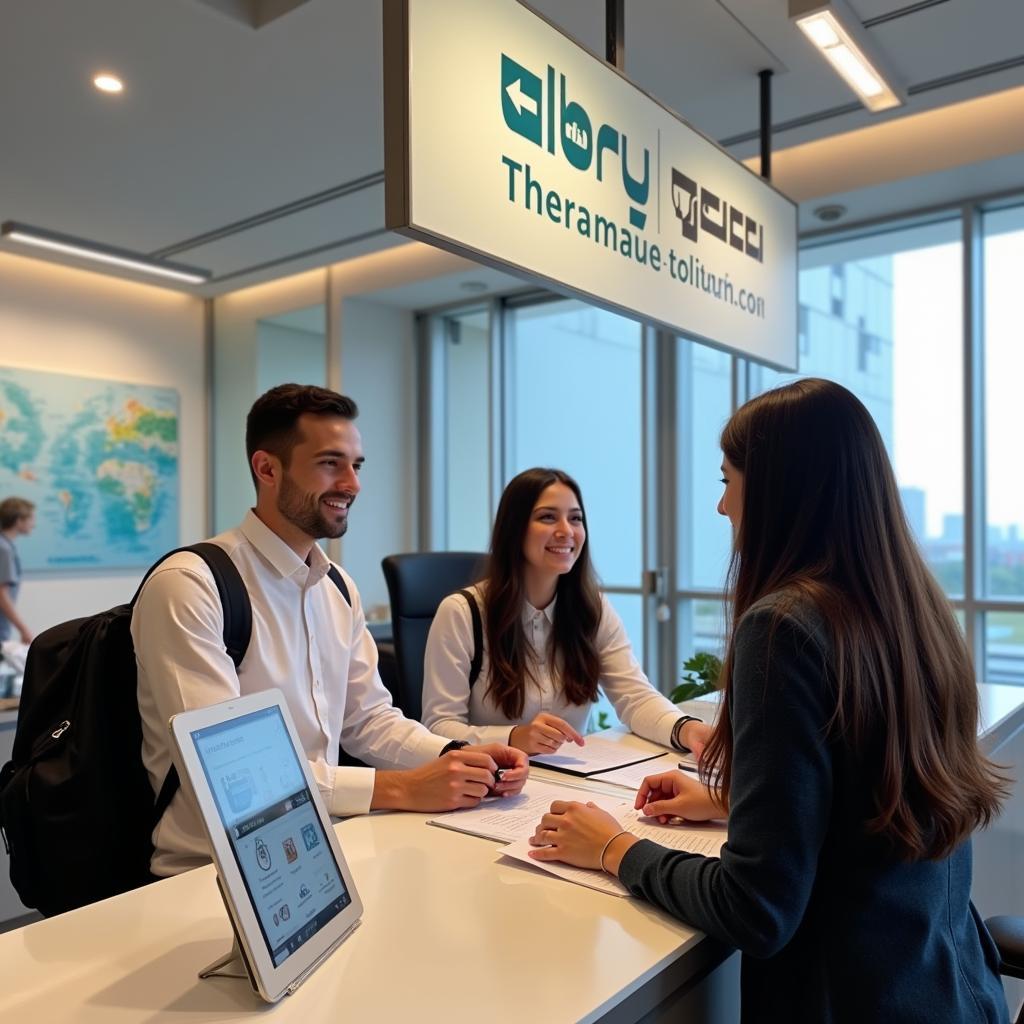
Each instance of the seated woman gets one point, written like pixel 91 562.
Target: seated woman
pixel 550 638
pixel 846 756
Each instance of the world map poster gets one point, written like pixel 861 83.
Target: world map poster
pixel 99 459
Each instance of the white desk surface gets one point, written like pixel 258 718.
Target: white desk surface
pixel 447 933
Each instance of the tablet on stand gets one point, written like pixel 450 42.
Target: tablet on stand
pixel 287 889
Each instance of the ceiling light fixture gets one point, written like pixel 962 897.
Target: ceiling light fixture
pixel 838 34
pixel 71 246
pixel 106 82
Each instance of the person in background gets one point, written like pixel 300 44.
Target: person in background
pixel 550 638
pixel 305 456
pixel 17 519
pixel 846 756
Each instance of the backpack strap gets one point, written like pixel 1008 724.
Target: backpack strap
pixel 478 637
pixel 234 599
pixel 339 581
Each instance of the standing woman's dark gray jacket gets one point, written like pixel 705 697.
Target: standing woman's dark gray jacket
pixel 832 928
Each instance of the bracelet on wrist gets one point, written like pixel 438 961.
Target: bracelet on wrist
pixel 604 849
pixel 677 732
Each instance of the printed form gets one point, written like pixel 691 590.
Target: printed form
pixel 704 839
pixel 515 817
pixel 598 755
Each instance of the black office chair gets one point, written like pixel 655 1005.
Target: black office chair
pixel 1008 934
pixel 417 583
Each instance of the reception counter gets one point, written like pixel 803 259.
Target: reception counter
pixel 449 931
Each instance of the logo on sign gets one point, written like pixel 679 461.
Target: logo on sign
pixel 528 105
pixel 700 209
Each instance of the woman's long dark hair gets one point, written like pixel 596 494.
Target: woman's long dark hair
pixel 822 522
pixel 577 613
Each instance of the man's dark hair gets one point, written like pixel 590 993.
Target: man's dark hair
pixel 273 421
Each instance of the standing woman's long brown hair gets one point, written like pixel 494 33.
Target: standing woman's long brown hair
pixel 577 613
pixel 822 522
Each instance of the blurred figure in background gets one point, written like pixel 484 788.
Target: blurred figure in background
pixel 17 519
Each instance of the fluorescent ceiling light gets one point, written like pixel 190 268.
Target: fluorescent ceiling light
pixel 837 32
pixel 70 246
pixel 108 83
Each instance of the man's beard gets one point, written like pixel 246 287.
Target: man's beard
pixel 303 510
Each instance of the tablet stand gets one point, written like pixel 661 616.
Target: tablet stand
pixel 236 955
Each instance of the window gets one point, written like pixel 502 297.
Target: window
pixel 1004 647
pixel 894 337
pixel 1004 415
pixel 703 537
pixel 573 397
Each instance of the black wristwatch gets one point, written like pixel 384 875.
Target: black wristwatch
pixel 677 730
pixel 453 745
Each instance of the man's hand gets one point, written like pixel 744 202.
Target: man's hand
pixel 462 778
pixel 544 735
pixel 26 636
pixel 513 765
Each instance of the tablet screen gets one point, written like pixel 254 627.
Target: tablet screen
pixel 273 828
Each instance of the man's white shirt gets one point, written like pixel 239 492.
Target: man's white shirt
pixel 306 640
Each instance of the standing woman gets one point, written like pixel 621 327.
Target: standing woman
pixel 846 756
pixel 550 638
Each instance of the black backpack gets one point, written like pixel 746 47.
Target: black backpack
pixel 76 807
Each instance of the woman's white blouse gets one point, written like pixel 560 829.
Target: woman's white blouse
pixel 451 709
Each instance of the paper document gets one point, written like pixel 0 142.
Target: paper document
pixel 515 817
pixel 704 839
pixel 599 755
pixel 634 774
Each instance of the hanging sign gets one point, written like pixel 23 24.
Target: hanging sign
pixel 509 143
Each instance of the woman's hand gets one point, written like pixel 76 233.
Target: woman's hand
pixel 695 735
pixel 544 735
pixel 576 834
pixel 676 795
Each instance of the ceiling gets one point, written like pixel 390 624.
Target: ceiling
pixel 259 152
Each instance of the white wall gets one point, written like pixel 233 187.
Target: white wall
pixel 468 416
pixel 290 355
pixel 73 321
pixel 236 380
pixel 378 370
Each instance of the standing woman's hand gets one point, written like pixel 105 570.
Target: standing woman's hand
pixel 544 735
pixel 676 795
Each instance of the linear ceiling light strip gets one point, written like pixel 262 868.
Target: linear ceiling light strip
pixel 68 245
pixel 837 33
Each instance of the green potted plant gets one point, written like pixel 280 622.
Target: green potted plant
pixel 700 676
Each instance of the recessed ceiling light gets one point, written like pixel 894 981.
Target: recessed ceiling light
pixel 108 83
pixel 475 287
pixel 830 213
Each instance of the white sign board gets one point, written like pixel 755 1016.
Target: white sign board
pixel 509 143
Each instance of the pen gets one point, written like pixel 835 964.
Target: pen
pixel 688 767
pixel 497 775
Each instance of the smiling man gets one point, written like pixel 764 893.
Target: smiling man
pixel 305 454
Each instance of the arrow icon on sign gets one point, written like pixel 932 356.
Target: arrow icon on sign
pixel 520 100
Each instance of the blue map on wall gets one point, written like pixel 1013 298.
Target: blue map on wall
pixel 100 460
